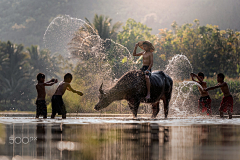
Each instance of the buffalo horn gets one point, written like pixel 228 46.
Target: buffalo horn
pixel 100 89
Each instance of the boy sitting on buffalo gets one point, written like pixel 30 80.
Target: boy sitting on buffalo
pixel 147 61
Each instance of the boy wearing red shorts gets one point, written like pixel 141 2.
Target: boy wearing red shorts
pixel 204 103
pixel 227 101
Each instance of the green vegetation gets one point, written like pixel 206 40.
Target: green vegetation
pixel 102 26
pixel 208 48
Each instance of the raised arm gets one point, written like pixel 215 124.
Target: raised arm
pixel 194 75
pixel 135 50
pixel 51 82
pixel 73 90
pixel 217 86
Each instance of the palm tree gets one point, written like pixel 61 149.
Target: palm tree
pixel 102 26
pixel 42 61
pixel 14 77
pixel 87 36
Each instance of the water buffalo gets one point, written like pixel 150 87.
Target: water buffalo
pixel 132 87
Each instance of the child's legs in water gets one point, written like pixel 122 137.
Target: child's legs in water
pixel 221 114
pixel 53 115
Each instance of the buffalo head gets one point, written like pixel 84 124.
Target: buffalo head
pixel 103 100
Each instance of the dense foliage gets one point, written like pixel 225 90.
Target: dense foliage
pixel 208 48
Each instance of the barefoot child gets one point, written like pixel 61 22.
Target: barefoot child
pixel 41 93
pixel 147 61
pixel 57 101
pixel 204 103
pixel 227 101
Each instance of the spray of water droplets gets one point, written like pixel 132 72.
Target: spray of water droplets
pixel 106 60
pixel 61 31
pixel 179 69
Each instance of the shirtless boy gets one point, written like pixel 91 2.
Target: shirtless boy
pixel 147 61
pixel 41 94
pixel 57 101
pixel 204 102
pixel 227 101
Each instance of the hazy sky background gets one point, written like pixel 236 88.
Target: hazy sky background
pixel 25 21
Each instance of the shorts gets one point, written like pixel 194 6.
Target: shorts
pixel 58 105
pixel 204 104
pixel 226 104
pixel 144 68
pixel 41 108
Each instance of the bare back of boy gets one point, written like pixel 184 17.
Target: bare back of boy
pixel 224 89
pixel 41 92
pixel 62 88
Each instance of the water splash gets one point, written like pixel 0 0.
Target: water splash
pixel 60 32
pixel 95 59
pixel 105 60
pixel 184 89
pixel 179 67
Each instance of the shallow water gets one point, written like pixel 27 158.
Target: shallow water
pixel 120 138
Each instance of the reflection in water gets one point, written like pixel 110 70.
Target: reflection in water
pixel 118 141
pixel 41 140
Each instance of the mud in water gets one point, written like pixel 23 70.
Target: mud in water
pixel 198 137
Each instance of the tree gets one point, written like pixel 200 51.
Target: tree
pixel 42 61
pixel 134 32
pixel 208 48
pixel 15 79
pixel 102 26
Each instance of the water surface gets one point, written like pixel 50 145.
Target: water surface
pixel 120 138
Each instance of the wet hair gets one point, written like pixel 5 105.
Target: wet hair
pixel 221 75
pixel 40 75
pixel 146 43
pixel 68 76
pixel 200 74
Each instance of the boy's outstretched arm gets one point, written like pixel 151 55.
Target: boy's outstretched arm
pixel 194 75
pixel 73 90
pixel 217 86
pixel 135 50
pixel 51 82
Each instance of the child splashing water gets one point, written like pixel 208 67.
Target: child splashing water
pixel 204 103
pixel 57 101
pixel 227 101
pixel 41 94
